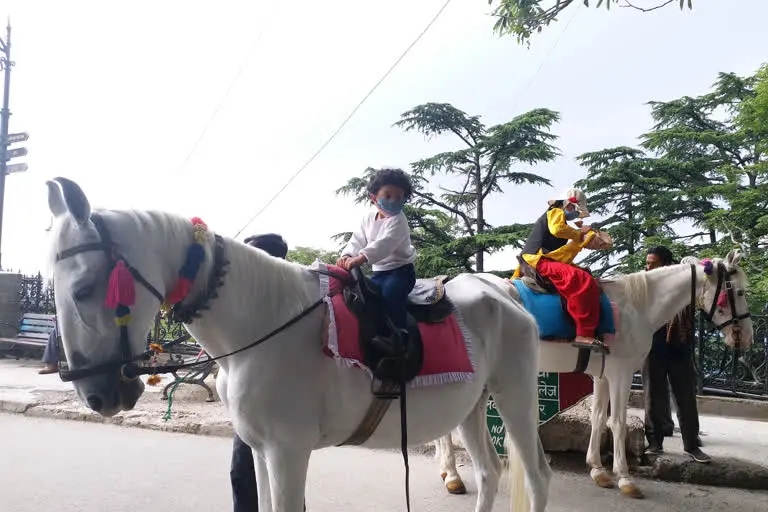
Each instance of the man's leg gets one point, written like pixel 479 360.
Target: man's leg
pixel 660 406
pixel 51 354
pixel 656 391
pixel 682 377
pixel 245 494
pixel 582 297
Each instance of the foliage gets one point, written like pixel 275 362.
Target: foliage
pixel 449 229
pixel 707 166
pixel 522 18
pixel 307 255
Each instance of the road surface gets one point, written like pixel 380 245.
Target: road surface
pixel 65 466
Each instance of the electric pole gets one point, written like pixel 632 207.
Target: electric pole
pixel 5 139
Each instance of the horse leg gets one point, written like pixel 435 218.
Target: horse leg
pixel 448 472
pixel 514 387
pixel 287 466
pixel 487 465
pixel 620 384
pixel 520 415
pixel 599 420
pixel 262 481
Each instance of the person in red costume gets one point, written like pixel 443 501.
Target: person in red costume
pixel 549 252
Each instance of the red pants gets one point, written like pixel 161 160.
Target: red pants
pixel 581 293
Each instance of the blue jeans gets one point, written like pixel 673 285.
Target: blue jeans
pixel 395 286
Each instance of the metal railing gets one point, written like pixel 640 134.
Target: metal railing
pixel 728 372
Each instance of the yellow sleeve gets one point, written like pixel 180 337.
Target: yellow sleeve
pixel 559 228
pixel 568 252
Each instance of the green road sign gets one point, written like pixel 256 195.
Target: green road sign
pixel 557 392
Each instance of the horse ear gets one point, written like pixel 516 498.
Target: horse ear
pixel 55 199
pixel 729 256
pixel 735 257
pixel 74 200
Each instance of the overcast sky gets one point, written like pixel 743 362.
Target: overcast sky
pixel 116 98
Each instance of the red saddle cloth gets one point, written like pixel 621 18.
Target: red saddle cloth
pixel 447 345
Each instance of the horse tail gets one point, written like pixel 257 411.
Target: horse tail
pixel 518 500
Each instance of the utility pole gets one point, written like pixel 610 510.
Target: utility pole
pixel 5 139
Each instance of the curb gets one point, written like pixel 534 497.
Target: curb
pixel 733 473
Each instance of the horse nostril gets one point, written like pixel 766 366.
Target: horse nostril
pixel 95 403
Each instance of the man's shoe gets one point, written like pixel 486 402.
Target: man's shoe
pixel 654 449
pixel 699 456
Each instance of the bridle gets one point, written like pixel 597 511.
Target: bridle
pixel 728 295
pixel 127 366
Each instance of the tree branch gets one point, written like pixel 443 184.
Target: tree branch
pixel 429 198
pixel 647 9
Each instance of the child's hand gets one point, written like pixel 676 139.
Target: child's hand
pixel 579 223
pixel 355 262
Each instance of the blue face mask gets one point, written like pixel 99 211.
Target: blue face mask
pixel 572 215
pixel 390 206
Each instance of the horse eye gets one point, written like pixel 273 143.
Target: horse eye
pixel 84 292
pixel 740 293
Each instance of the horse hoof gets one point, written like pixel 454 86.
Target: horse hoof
pixel 456 487
pixel 632 491
pixel 605 481
pixel 443 475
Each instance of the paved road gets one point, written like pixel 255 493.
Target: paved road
pixel 65 466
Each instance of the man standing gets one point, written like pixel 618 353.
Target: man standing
pixel 671 357
pixel 242 474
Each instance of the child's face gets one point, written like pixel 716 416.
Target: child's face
pixel 389 200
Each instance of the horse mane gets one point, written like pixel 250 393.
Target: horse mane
pixel 257 273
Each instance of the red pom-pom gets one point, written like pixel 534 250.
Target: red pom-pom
pixel 722 300
pixel 180 291
pixel 573 200
pixel 198 221
pixel 121 289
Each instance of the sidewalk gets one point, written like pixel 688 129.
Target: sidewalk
pixel 739 447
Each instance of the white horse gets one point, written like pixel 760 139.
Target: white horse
pixel 646 301
pixel 285 397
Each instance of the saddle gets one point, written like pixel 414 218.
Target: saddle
pixel 427 303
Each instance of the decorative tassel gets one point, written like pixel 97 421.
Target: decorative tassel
pixel 195 257
pixel 722 300
pixel 154 380
pixel 180 291
pixel 121 289
pixel 709 267
pixel 192 262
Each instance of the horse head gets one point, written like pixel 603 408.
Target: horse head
pixel 104 319
pixel 723 298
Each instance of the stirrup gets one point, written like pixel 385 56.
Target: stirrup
pixel 595 346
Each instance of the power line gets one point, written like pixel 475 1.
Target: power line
pixel 344 123
pixel 232 83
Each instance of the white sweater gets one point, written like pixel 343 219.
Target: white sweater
pixel 386 243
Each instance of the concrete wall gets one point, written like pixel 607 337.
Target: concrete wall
pixel 10 309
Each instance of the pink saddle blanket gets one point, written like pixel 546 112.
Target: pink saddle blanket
pixel 447 345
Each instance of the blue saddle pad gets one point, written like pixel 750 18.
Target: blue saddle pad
pixel 553 321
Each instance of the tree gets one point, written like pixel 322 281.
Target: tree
pixel 704 162
pixel 307 255
pixel 521 18
pixel 453 224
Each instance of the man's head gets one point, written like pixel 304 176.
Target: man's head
pixel 573 202
pixel 658 256
pixel 270 243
